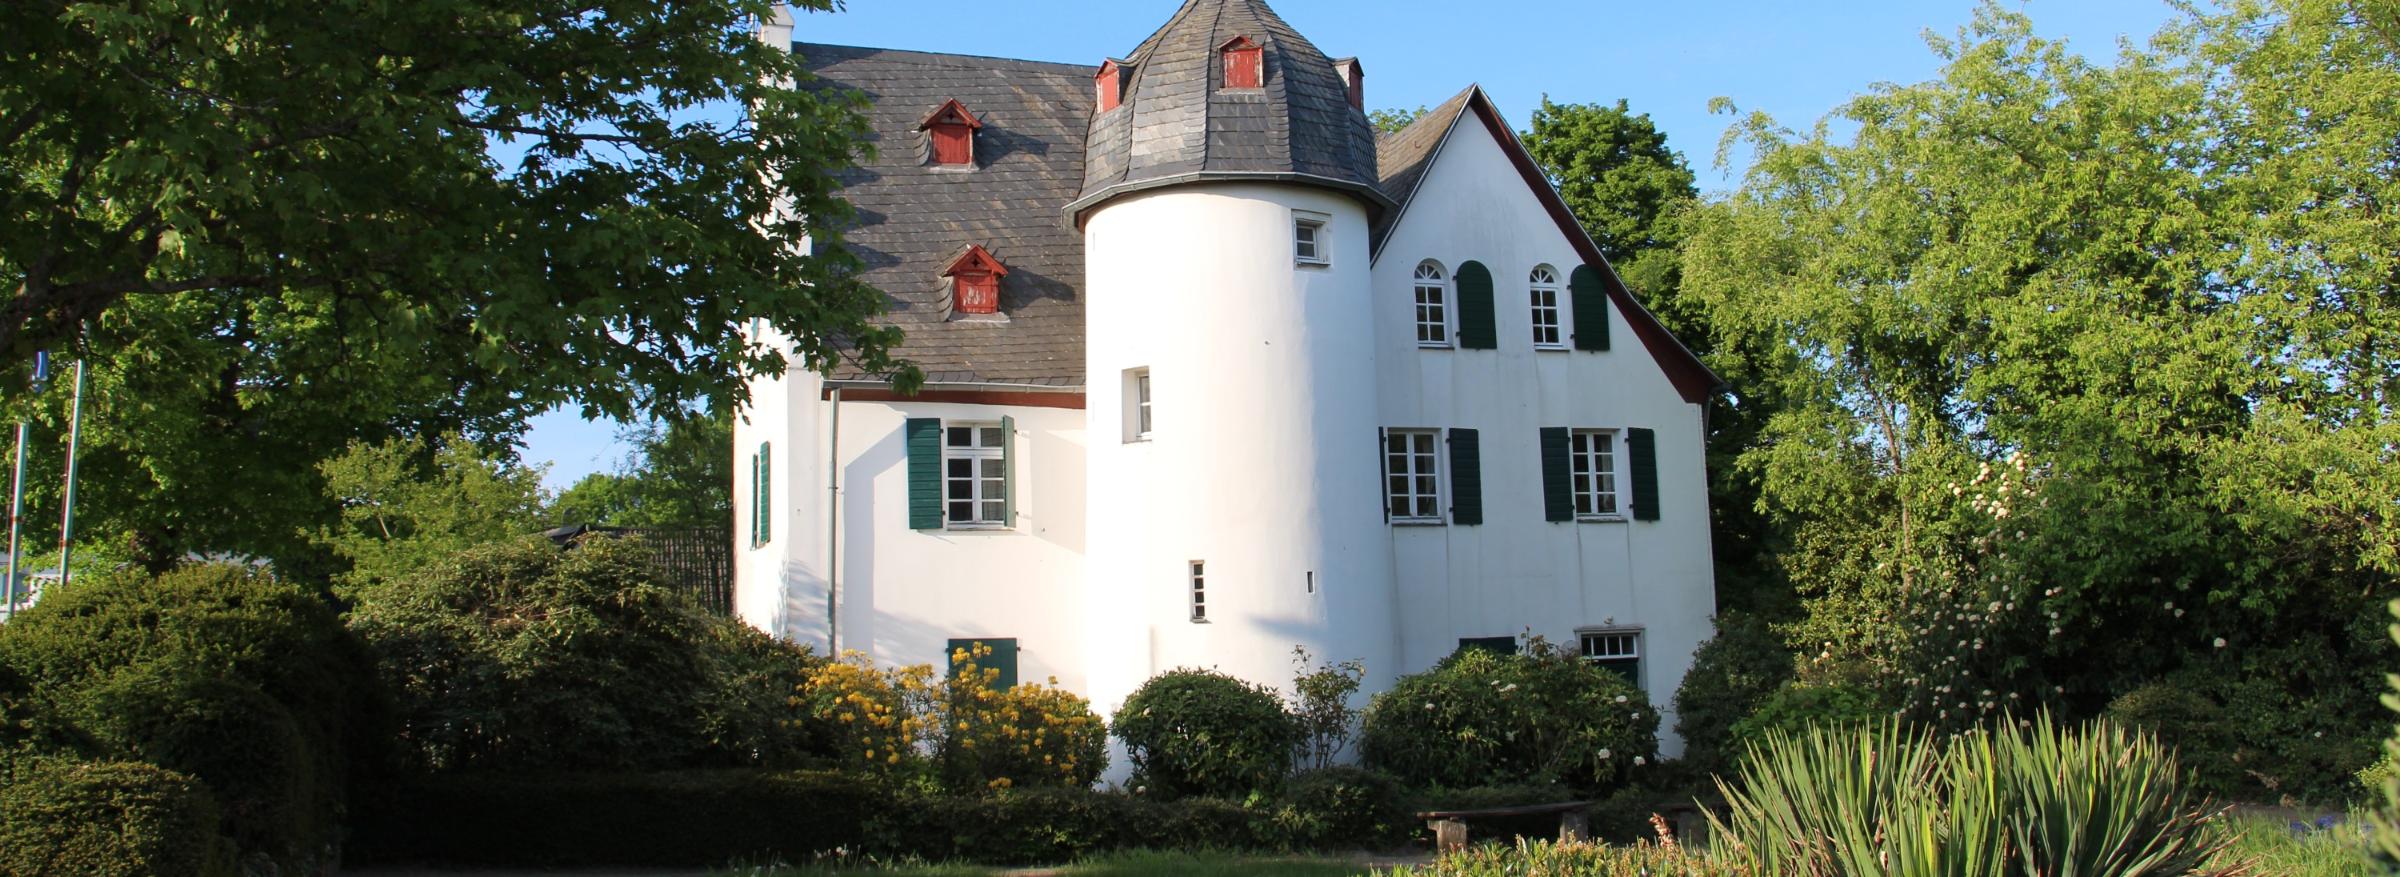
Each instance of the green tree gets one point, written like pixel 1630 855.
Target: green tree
pixel 409 504
pixel 679 475
pixel 1393 121
pixel 274 228
pixel 2075 374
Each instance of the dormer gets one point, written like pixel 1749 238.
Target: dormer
pixel 951 129
pixel 1354 80
pixel 975 281
pixel 1108 86
pixel 1245 65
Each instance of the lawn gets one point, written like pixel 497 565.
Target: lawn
pixel 1139 864
pixel 2273 846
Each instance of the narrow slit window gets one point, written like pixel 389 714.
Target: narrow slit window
pixel 1199 591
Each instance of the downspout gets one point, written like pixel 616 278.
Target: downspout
pixel 833 533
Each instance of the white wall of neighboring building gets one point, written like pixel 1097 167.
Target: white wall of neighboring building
pixel 1263 377
pixel 1516 571
pixel 778 416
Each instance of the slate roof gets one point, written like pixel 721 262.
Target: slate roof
pixel 1403 156
pixel 913 219
pixel 1175 125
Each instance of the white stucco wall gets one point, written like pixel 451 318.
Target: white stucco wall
pixel 1517 572
pixel 778 415
pixel 1263 378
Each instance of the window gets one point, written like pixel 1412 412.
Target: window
pixel 762 506
pixel 1412 478
pixel 1309 246
pixel 974 475
pixel 975 281
pixel 1618 649
pixel 1592 456
pixel 1502 646
pixel 1548 333
pixel 1433 308
pixel 1110 84
pixel 1244 67
pixel 950 132
pixel 1141 404
pixel 1199 592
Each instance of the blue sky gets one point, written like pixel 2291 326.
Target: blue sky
pixel 1794 59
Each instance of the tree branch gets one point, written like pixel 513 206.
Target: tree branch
pixel 622 139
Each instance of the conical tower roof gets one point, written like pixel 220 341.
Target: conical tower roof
pixel 1177 124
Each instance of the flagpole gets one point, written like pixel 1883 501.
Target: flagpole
pixel 66 526
pixel 16 490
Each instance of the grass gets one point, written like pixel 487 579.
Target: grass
pixel 1134 864
pixel 2271 846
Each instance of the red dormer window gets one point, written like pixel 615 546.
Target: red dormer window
pixel 1354 77
pixel 1245 64
pixel 975 281
pixel 952 130
pixel 1110 85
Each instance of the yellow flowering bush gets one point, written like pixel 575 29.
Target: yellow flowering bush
pixel 962 730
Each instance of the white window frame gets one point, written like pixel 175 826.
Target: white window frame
pixel 1590 466
pixel 982 458
pixel 1309 244
pixel 1199 591
pixel 1547 298
pixel 1433 293
pixel 1421 463
pixel 1140 415
pixel 1613 636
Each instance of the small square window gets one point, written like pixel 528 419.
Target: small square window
pixel 1616 648
pixel 1309 246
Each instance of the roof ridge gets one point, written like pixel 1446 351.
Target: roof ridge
pixel 979 62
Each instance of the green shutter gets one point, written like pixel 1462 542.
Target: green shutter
pixel 1630 668
pixel 1476 329
pixel 754 500
pixel 1558 482
pixel 1008 471
pixel 1587 294
pixel 1641 449
pixel 1003 658
pixel 1498 645
pixel 765 497
pixel 1466 477
pixel 924 438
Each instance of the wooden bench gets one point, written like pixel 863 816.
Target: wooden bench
pixel 1450 826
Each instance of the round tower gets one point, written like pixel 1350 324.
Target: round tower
pixel 1234 499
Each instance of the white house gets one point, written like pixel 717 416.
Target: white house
pixel 1213 371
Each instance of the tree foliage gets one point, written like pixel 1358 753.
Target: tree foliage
pixel 2082 372
pixel 679 475
pixel 407 505
pixel 275 227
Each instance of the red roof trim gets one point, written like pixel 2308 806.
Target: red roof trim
pixel 1684 369
pixel 1237 43
pixel 976 260
pixel 955 112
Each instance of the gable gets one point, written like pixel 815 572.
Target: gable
pixel 1409 156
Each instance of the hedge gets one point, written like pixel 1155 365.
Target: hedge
pixel 108 819
pixel 711 818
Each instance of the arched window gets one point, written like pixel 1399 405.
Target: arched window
pixel 1433 305
pixel 1549 332
pixel 1245 63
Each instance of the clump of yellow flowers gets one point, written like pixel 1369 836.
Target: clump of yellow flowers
pixel 961 730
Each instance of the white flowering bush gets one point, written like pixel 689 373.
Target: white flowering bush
pixel 1545 716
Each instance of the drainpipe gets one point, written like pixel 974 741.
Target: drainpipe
pixel 833 533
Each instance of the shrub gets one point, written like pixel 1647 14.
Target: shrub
pixel 1732 675
pixel 1796 707
pixel 1199 732
pixel 108 819
pixel 248 683
pixel 1545 716
pixel 521 656
pixel 2191 723
pixel 957 731
pixel 2032 798
pixel 747 717
pixel 1321 704
pixel 269 782
pixel 1336 807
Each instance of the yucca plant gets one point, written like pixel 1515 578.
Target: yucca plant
pixel 2031 798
